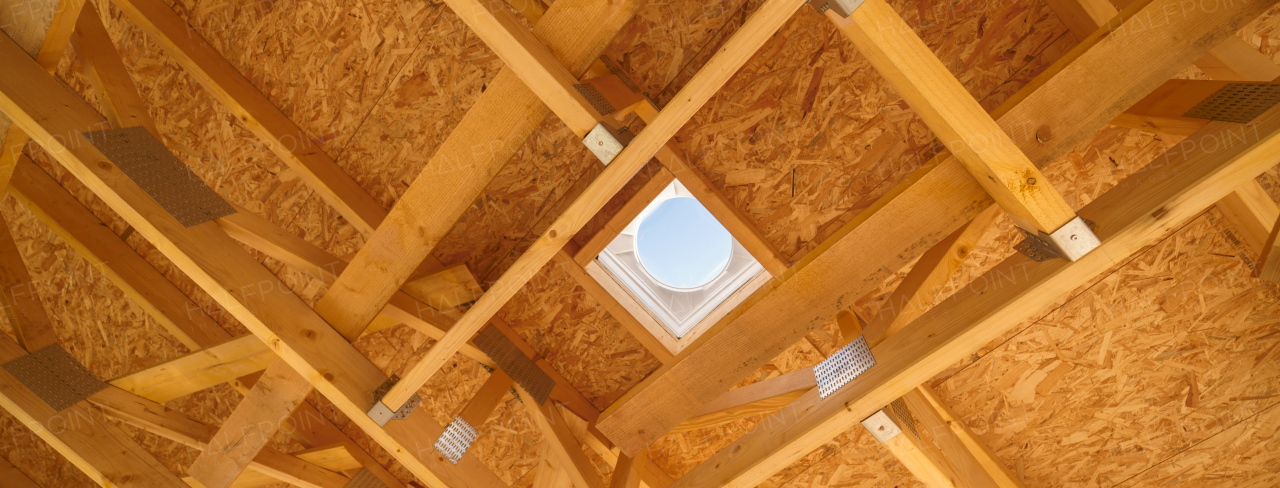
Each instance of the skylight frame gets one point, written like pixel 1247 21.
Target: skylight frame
pixel 675 316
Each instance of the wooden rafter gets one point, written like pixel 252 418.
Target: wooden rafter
pixel 1131 216
pixel 101 450
pixel 221 267
pixel 1073 99
pixel 744 43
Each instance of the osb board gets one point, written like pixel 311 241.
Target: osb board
pixel 1166 351
pixel 324 64
pixel 573 332
pixel 679 453
pixel 1242 456
pixel 34 458
pixel 26 22
pixel 807 131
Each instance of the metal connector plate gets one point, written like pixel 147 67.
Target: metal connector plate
pixel 456 439
pixel 842 367
pixel 1072 241
pixel 381 413
pixel 843 7
pixel 602 142
pixel 55 376
pixel 881 426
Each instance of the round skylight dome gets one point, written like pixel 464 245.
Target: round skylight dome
pixel 682 245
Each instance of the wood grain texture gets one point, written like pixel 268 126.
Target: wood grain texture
pixel 1131 216
pixel 951 112
pixel 199 370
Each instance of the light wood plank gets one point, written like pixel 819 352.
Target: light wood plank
pixel 1269 265
pixel 1162 110
pixel 477 410
pixel 915 294
pixel 79 433
pixel 122 104
pixel 1252 210
pixel 939 415
pixel 1129 218
pixel 735 52
pixel 629 211
pixel 297 148
pixel 561 443
pixel 623 474
pixel 954 115
pixel 223 269
pixel 298 472
pixel 1074 98
pixel 199 370
pixel 19 296
pixel 650 338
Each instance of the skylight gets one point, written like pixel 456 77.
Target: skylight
pixel 677 261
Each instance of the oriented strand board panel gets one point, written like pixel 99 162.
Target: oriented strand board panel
pixel 1168 350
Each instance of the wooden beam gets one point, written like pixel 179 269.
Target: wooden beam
pixel 54 116
pixel 945 426
pixel 971 135
pixel 19 298
pixel 122 104
pixel 629 211
pixel 1233 59
pixel 477 410
pixel 917 455
pixel 630 320
pixel 765 396
pixel 79 433
pixel 243 435
pixel 915 294
pixel 1251 209
pixel 1073 98
pixel 715 201
pixel 1144 209
pixel 623 474
pixel 296 471
pixel 561 443
pixel 735 52
pixel 199 370
pixel 1269 266
pixel 1162 110
pixel 293 145
pixel 56 36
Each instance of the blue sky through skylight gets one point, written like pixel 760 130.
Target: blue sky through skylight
pixel 682 245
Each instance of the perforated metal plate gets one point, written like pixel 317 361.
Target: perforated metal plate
pixel 365 479
pixel 842 367
pixel 620 73
pixel 1035 248
pixel 456 439
pixel 511 360
pixel 54 376
pixel 904 415
pixel 593 96
pixel 1237 102
pixel 381 413
pixel 168 181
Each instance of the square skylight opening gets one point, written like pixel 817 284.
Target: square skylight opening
pixel 678 261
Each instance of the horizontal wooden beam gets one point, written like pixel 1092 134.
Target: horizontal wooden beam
pixel 1139 212
pixel 731 56
pixel 54 117
pixel 766 396
pixel 105 454
pixel 199 370
pixel 1072 99
pixel 937 97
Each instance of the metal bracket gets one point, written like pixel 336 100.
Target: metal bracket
pixel 55 376
pixel 881 426
pixel 843 7
pixel 1237 102
pixel 842 367
pixel 1072 241
pixel 381 413
pixel 365 479
pixel 605 142
pixel 512 361
pixel 456 439
pixel 900 409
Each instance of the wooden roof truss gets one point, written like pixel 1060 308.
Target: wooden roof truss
pixel 938 213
